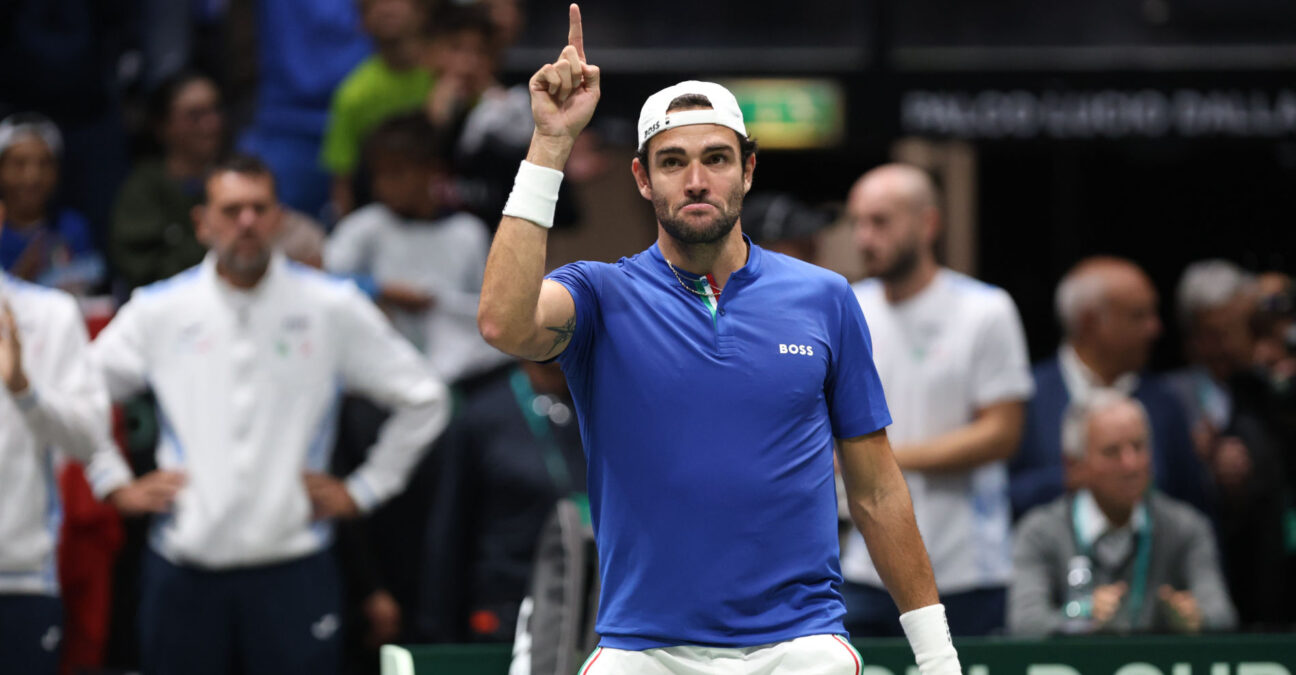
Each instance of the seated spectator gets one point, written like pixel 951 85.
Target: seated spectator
pixel 152 235
pixel 389 82
pixel 420 259
pixel 1108 310
pixel 1114 556
pixel 490 124
pixel 504 463
pixel 1229 405
pixel 42 243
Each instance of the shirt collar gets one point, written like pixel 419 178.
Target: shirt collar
pixel 234 294
pixel 1081 382
pixel 747 271
pixel 1092 522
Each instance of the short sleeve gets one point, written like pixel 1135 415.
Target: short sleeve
pixel 1000 365
pixel 856 403
pixel 581 281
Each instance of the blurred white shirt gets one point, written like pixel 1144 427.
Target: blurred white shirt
pixel 953 349
pixel 248 385
pixel 63 413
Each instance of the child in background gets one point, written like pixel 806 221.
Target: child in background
pixel 389 82
pixel 40 243
pixel 415 255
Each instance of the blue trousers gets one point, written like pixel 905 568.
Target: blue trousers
pixel 280 619
pixel 870 611
pixel 31 632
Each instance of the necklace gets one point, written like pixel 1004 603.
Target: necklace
pixel 687 287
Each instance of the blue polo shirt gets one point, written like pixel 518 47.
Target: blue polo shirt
pixel 710 438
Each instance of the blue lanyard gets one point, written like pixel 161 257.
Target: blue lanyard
pixel 1142 558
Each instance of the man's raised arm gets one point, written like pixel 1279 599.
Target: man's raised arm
pixel 521 313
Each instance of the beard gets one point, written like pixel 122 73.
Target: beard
pixel 900 269
pixel 709 232
pixel 245 264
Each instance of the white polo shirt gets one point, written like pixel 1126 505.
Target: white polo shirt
pixel 63 412
pixel 248 385
pixel 953 349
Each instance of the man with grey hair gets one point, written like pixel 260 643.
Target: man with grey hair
pixel 1228 405
pixel 1114 556
pixel 1108 310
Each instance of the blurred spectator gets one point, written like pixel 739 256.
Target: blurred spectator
pixel 52 405
pixel 413 254
pixel 782 223
pixel 307 47
pixel 390 82
pixel 1229 405
pixel 42 243
pixel 152 235
pixel 1114 556
pixel 67 60
pixel 506 460
pixel 491 125
pixel 1275 330
pixel 248 354
pixel 508 17
pixel 1108 310
pixel 952 357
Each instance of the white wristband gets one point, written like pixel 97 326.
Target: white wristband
pixel 534 195
pixel 929 637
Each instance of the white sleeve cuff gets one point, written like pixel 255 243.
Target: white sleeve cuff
pixel 364 497
pixel 929 637
pixel 26 399
pixel 107 471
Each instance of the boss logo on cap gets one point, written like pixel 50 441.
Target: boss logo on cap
pixel 655 126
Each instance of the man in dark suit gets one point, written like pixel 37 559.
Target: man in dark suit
pixel 1108 310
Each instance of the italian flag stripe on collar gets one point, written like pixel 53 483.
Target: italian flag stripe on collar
pixel 707 291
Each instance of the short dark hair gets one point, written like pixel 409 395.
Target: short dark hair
pixel 746 146
pixel 242 164
pixel 410 137
pixel 162 97
pixel 458 19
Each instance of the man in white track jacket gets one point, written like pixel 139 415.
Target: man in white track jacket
pixel 247 355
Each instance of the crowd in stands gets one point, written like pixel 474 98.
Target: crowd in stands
pixel 315 449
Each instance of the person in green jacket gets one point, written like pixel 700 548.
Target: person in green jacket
pixel 152 233
pixel 391 81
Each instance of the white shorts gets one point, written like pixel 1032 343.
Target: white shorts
pixel 810 655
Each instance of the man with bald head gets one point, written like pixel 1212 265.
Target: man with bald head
pixel 1108 310
pixel 952 358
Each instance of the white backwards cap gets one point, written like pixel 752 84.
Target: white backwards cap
pixel 653 118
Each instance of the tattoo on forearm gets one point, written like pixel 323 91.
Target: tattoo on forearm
pixel 562 335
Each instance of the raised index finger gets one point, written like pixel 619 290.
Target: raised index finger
pixel 575 35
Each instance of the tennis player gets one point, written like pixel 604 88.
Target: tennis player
pixel 710 378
